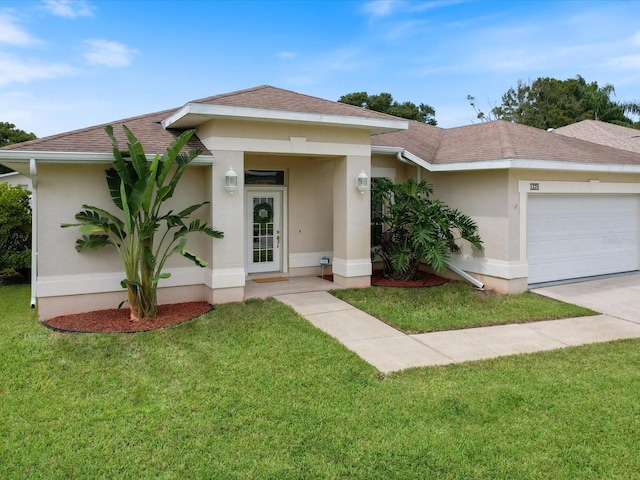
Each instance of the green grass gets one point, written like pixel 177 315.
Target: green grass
pixel 454 305
pixel 253 391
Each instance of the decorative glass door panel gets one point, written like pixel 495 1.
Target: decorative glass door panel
pixel 264 231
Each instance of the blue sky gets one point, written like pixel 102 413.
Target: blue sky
pixel 70 64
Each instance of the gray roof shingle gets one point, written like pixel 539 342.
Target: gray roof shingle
pixel 480 142
pixel 603 133
pixel 155 138
pixel 499 140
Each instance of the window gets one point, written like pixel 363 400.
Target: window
pixel 264 177
pixel 376 210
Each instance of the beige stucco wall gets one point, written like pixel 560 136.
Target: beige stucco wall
pixel 483 195
pixel 309 199
pixel 310 155
pixel 63 188
pixel 493 199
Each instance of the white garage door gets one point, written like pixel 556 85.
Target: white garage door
pixel 574 236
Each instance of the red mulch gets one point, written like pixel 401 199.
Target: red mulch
pixel 426 280
pixel 117 320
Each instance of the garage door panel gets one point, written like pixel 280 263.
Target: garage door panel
pixel 572 236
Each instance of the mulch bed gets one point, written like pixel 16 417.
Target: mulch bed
pixel 117 320
pixel 426 280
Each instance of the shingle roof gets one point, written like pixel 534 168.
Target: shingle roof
pixel 603 133
pixel 499 140
pixel 272 98
pixel 480 142
pixel 155 138
pixel 94 139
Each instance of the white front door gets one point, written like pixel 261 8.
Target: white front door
pixel 264 231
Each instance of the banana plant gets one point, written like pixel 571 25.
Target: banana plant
pixel 143 236
pixel 417 228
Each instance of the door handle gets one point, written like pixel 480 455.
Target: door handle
pixel 278 239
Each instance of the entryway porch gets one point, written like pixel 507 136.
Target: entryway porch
pixel 277 284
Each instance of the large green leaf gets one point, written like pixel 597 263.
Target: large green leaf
pixel 169 157
pixel 194 258
pixel 138 157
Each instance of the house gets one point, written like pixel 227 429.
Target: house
pixel 16 179
pixel 548 207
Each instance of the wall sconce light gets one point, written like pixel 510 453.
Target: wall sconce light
pixel 231 181
pixel 362 182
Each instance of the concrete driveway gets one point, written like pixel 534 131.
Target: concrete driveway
pixel 617 297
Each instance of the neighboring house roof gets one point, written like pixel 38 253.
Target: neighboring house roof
pixel 603 133
pixel 499 140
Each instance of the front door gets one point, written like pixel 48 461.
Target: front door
pixel 264 228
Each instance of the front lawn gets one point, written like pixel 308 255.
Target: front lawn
pixel 454 305
pixel 253 391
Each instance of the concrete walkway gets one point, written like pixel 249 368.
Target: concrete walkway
pixel 389 350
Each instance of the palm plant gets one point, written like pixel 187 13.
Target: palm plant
pixel 139 189
pixel 418 229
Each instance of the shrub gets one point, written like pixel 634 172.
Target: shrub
pixel 15 228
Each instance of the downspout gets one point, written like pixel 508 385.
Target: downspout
pixel 33 171
pixel 402 159
pixel 474 281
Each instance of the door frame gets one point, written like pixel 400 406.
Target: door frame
pixel 284 220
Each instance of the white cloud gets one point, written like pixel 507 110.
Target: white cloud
pixel 381 8
pixel 11 33
pixel 19 70
pixel 108 53
pixel 286 55
pixel 68 8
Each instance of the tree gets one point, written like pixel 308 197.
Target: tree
pixel 10 134
pixel 139 190
pixel 15 228
pixel 551 103
pixel 385 103
pixel 419 229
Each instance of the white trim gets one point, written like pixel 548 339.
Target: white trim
pixel 491 267
pixel 194 114
pixel 78 157
pixel 307 259
pixel 548 187
pixel 10 174
pixel 514 163
pixel 357 267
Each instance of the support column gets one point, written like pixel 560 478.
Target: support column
pixel 227 214
pixel 351 223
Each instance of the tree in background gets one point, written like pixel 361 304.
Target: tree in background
pixel 10 134
pixel 15 229
pixel 551 103
pixel 384 103
pixel 139 189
